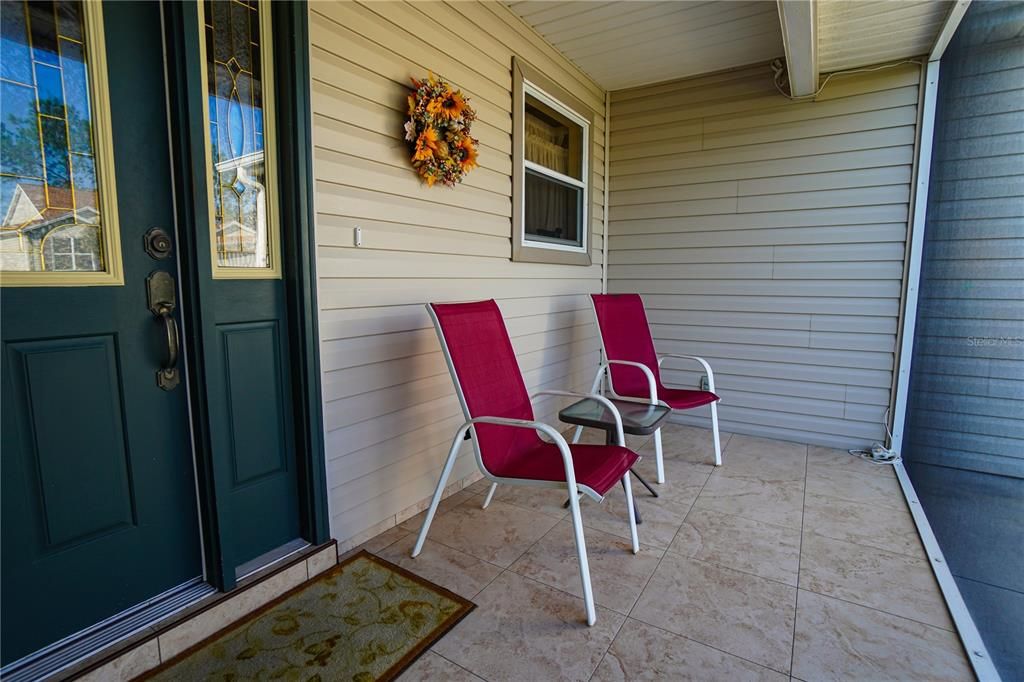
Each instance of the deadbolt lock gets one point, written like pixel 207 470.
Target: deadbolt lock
pixel 157 243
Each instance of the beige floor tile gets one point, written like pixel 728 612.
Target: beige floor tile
pixel 676 468
pixel 879 491
pixel 617 575
pixel 478 487
pixel 836 640
pixel 457 571
pixel 522 630
pixel 819 457
pixel 499 534
pixel 431 667
pixel 744 544
pixel 736 612
pixel 764 459
pixel 888 529
pixel 661 515
pixel 777 502
pixel 642 652
pixel 894 583
pixel 545 500
pixel 688 443
pixel 375 544
pixel 412 524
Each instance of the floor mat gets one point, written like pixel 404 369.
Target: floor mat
pixel 365 619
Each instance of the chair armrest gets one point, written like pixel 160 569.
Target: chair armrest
pixel 652 384
pixel 599 398
pixel 546 429
pixel 702 361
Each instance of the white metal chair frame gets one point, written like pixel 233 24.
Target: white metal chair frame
pixel 575 489
pixel 652 388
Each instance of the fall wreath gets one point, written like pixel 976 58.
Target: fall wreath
pixel 438 132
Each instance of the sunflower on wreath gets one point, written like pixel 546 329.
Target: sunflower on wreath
pixel 438 132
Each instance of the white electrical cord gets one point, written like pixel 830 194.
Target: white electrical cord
pixel 779 69
pixel 879 454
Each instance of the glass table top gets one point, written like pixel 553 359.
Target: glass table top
pixel 638 419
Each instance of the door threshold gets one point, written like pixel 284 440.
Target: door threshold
pixel 268 559
pixel 73 648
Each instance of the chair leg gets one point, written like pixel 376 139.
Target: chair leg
pixel 581 556
pixel 490 495
pixel 714 431
pixel 438 492
pixel 627 485
pixel 659 456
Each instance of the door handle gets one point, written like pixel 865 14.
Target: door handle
pixel 160 292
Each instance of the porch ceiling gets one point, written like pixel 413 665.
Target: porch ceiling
pixel 627 44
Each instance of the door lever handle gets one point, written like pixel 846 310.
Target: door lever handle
pixel 160 291
pixel 167 377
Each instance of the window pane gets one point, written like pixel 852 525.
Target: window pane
pixel 552 139
pixel 49 195
pixel 236 107
pixel 554 210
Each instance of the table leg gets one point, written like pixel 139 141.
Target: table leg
pixel 608 440
pixel 652 491
pixel 636 508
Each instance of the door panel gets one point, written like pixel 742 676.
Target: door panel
pixel 252 416
pixel 56 424
pixel 98 490
pixel 255 396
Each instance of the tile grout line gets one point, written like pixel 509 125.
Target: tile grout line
pixel 664 553
pixel 460 667
pixel 799 560
pixel 611 642
pixel 710 646
pixel 872 608
pixel 630 616
pixel 731 568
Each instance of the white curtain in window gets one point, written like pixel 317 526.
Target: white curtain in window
pixel 547 145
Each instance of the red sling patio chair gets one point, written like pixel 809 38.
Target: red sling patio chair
pixel 499 415
pixel 634 368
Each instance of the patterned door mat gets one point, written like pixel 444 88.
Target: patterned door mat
pixel 365 619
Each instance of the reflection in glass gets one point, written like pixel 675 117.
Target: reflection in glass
pixel 236 107
pixel 552 139
pixel 554 210
pixel 49 195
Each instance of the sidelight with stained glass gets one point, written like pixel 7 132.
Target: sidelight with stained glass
pixel 240 134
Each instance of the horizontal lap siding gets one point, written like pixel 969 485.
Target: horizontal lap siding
pixel 768 236
pixel 389 405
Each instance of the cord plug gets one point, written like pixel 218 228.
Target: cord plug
pixel 880 453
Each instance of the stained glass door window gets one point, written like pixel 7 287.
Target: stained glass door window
pixel 56 184
pixel 241 159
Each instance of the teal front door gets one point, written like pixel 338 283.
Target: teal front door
pixel 99 508
pixel 147 407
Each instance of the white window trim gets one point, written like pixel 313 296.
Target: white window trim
pixel 533 90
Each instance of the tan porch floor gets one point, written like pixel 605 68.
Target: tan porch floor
pixel 790 560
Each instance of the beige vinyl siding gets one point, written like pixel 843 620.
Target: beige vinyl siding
pixel 768 237
pixel 389 405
